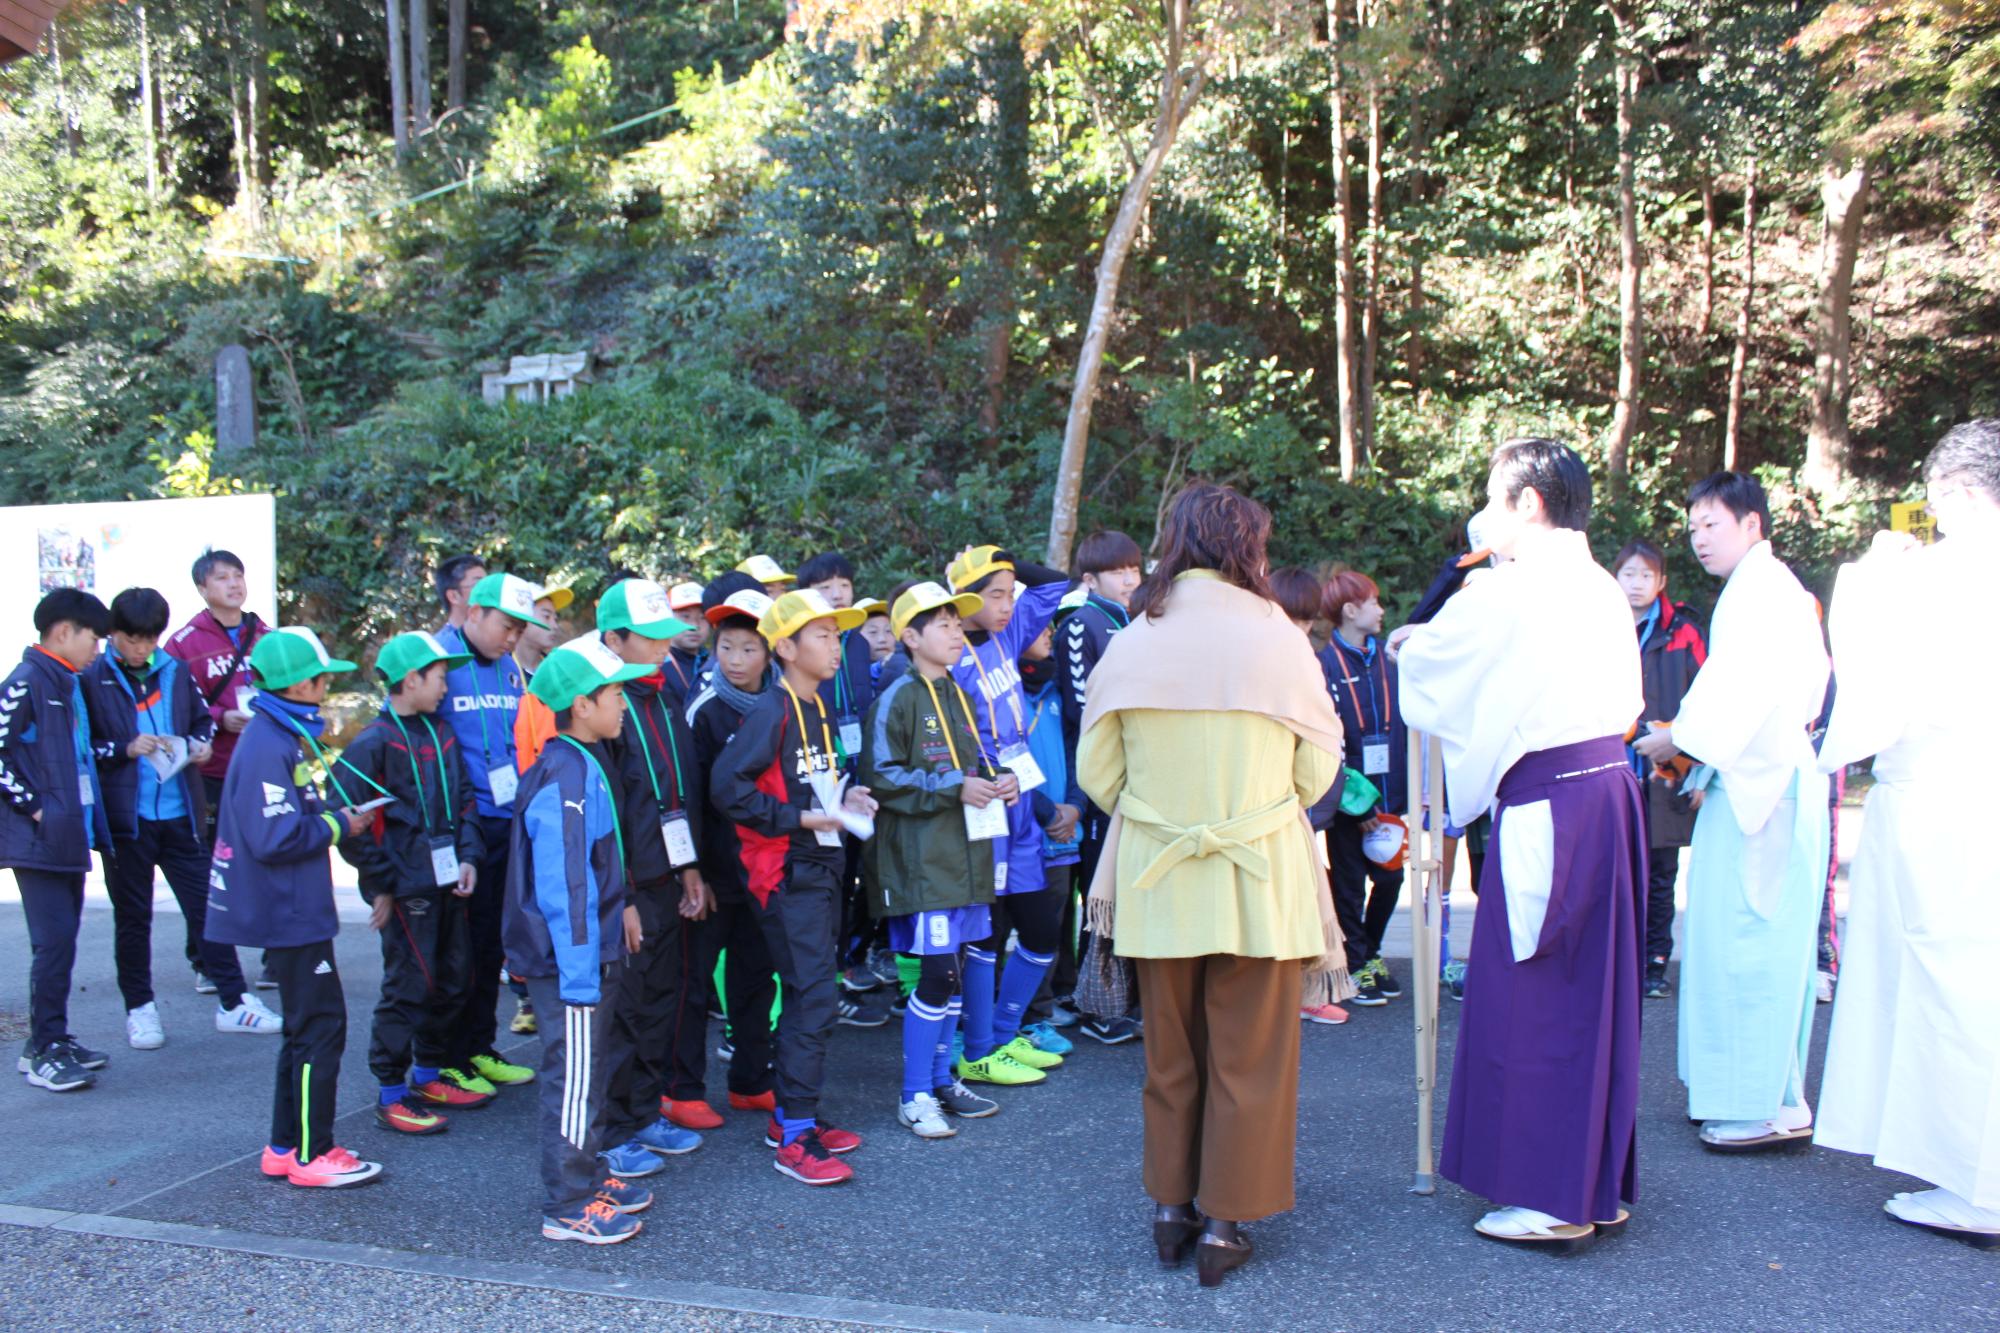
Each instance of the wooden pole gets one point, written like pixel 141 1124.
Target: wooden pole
pixel 1424 867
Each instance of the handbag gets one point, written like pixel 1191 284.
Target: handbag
pixel 1103 984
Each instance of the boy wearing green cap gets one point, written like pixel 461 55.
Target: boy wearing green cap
pixel 566 924
pixel 418 862
pixel 271 888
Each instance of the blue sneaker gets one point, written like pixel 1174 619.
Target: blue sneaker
pixel 1047 1039
pixel 664 1136
pixel 631 1159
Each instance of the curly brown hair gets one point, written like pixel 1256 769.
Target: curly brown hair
pixel 1208 527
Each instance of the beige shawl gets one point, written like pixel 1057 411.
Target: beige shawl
pixel 1156 663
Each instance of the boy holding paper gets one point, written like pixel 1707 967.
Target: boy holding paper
pixel 778 781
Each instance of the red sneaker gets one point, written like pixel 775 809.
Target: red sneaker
pixel 440 1093
pixel 278 1165
pixel 336 1168
pixel 766 1101
pixel 835 1140
pixel 806 1160
pixel 690 1115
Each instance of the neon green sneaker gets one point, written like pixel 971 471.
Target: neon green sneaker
pixel 499 1071
pixel 999 1068
pixel 1024 1052
pixel 458 1078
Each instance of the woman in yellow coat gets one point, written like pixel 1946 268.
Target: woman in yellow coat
pixel 1207 732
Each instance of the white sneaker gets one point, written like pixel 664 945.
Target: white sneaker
pixel 925 1118
pixel 250 1016
pixel 1823 988
pixel 142 1028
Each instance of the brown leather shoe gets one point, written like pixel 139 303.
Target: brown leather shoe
pixel 1214 1257
pixel 1175 1226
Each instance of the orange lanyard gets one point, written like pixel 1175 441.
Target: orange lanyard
pixel 1382 718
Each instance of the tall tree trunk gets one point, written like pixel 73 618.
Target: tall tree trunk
pixel 1631 264
pixel 1371 308
pixel 149 101
pixel 257 94
pixel 1739 360
pixel 72 124
pixel 1844 194
pixel 420 66
pixel 1179 87
pixel 1005 72
pixel 1343 246
pixel 454 69
pixel 248 197
pixel 399 80
pixel 1707 252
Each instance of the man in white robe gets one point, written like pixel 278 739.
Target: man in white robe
pixel 1913 1065
pixel 1758 863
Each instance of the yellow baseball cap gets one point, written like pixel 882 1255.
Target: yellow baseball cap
pixel 559 599
pixel 929 597
pixel 975 565
pixel 765 570
pixel 799 608
pixel 872 606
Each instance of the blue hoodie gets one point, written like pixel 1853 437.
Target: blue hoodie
pixel 481 700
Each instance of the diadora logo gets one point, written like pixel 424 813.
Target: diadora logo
pixel 472 703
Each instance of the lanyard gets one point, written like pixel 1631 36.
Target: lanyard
pixel 1382 717
pixel 479 707
pixel 1013 701
pixel 805 742
pixel 944 723
pixel 610 799
pixel 326 765
pixel 1110 607
pixel 444 784
pixel 839 680
pixel 673 750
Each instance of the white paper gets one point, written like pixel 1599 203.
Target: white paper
pixel 830 790
pixel 987 822
pixel 1017 760
pixel 444 863
pixel 171 757
pixel 375 804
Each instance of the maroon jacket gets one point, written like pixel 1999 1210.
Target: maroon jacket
pixel 219 670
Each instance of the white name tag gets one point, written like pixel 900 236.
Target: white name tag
pixel 444 863
pixel 850 739
pixel 89 796
pixel 1021 763
pixel 1374 755
pixel 674 831
pixel 503 780
pixel 990 822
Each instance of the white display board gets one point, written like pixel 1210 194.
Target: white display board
pixel 107 548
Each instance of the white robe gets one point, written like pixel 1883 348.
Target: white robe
pixel 1913 1065
pixel 1529 656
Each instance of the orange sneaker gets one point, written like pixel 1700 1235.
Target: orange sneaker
pixel 766 1102
pixel 1332 1015
pixel 277 1165
pixel 690 1115
pixel 336 1168
pixel 404 1118
pixel 440 1093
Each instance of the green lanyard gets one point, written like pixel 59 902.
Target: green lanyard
pixel 610 797
pixel 326 765
pixel 444 784
pixel 673 752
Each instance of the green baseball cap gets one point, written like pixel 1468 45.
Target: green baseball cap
pixel 505 592
pixel 578 667
pixel 284 657
pixel 413 652
pixel 641 606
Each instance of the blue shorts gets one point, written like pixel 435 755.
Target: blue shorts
pixel 940 932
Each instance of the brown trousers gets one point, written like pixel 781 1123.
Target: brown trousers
pixel 1222 1082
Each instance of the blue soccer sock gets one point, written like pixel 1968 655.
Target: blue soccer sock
pixel 942 1075
pixel 793 1129
pixel 978 1008
pixel 392 1093
pixel 921 1023
pixel 422 1074
pixel 1018 985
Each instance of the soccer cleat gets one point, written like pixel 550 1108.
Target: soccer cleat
pixel 998 1068
pixel 1110 1031
pixel 55 1068
pixel 440 1093
pixel 1368 985
pixel 806 1159
pixel 961 1101
pixel 1331 1015
pixel 465 1082
pixel 851 1014
pixel 1022 1051
pixel 631 1159
pixel 1047 1039
pixel 835 1140
pixel 690 1115
pixel 859 981
pixel 277 1165
pixel 1385 980
pixel 495 1070
pixel 404 1118
pixel 596 1223
pixel 249 1016
pixel 524 1020
pixel 664 1136
pixel 336 1168
pixel 142 1028
pixel 762 1101
pixel 202 984
pixel 624 1195
pixel 922 1116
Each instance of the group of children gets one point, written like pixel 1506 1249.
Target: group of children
pixel 761 771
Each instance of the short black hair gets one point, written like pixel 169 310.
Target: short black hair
pixel 1298 592
pixel 624 572
pixel 921 620
pixel 826 565
pixel 1640 549
pixel 140 612
pixel 1553 471
pixel 565 717
pixel 396 686
pixel 1102 551
pixel 1738 492
pixel 450 571
pixel 1970 453
pixel 71 606
pixel 979 584
pixel 210 560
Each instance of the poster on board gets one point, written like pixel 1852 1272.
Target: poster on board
pixel 106 548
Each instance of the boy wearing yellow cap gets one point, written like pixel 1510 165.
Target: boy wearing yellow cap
pixel 778 781
pixel 775 577
pixel 940 805
pixel 996 635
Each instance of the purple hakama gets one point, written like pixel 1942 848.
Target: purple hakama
pixel 1545 1080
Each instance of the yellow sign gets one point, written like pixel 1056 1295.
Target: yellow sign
pixel 1915 519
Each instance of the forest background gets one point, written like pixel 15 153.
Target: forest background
pixel 843 270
